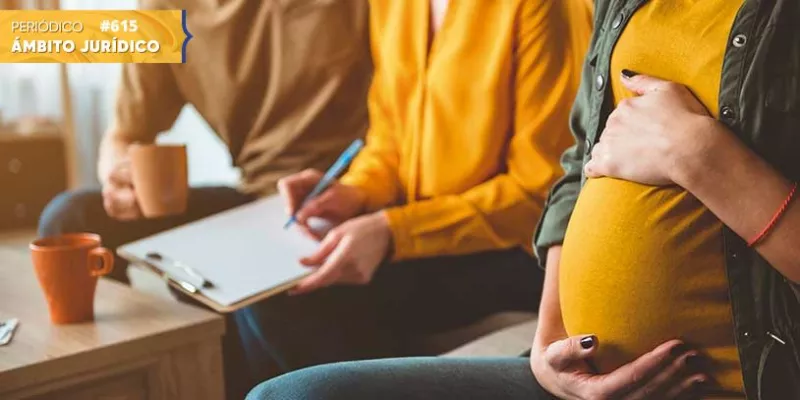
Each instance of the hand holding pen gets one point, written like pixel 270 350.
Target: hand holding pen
pixel 311 193
pixel 359 241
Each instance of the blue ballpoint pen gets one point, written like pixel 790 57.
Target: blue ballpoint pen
pixel 330 176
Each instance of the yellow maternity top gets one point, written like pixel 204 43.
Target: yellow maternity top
pixel 466 129
pixel 641 264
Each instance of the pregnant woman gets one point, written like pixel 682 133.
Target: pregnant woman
pixel 687 227
pixel 672 244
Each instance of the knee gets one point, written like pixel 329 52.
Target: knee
pixel 68 212
pixel 325 382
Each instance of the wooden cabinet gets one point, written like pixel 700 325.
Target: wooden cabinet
pixel 192 371
pixel 32 172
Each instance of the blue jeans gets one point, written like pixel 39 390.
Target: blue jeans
pixel 424 378
pixel 403 302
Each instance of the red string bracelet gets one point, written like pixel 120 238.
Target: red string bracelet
pixel 761 235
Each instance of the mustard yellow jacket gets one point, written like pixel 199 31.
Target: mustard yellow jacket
pixel 467 129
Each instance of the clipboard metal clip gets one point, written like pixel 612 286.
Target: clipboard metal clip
pixel 202 281
pixel 183 284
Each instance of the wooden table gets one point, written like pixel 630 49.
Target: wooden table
pixel 139 347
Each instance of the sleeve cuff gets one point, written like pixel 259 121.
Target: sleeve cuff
pixel 401 238
pixel 374 201
pixel 796 289
pixel 552 228
pixel 132 133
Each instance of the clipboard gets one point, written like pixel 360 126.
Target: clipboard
pixel 244 253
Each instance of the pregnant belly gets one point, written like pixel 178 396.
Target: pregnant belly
pixel 642 265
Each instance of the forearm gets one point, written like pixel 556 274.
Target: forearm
pixel 745 192
pixel 551 324
pixel 485 217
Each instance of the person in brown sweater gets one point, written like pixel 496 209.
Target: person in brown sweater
pixel 283 83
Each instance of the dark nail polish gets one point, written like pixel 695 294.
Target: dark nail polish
pixel 694 362
pixel 628 73
pixel 678 350
pixel 587 342
pixel 699 387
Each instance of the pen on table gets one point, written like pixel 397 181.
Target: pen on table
pixel 189 270
pixel 330 176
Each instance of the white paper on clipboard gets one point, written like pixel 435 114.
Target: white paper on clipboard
pixel 243 252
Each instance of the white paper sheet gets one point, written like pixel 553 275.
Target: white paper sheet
pixel 243 252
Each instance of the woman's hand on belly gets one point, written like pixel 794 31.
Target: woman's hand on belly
pixel 647 136
pixel 564 369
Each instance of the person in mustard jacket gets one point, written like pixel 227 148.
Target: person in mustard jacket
pixel 433 222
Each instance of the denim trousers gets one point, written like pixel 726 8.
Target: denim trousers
pixel 415 378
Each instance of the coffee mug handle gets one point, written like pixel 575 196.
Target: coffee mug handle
pixel 101 261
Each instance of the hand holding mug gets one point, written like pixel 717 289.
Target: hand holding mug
pixel 119 196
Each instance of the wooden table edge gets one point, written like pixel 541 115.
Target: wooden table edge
pixel 110 355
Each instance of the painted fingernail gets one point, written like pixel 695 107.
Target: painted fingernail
pixel 693 361
pixel 628 73
pixel 588 342
pixel 700 383
pixel 699 387
pixel 678 350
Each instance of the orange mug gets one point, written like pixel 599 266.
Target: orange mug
pixel 160 178
pixel 67 267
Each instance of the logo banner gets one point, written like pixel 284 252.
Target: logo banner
pixel 95 36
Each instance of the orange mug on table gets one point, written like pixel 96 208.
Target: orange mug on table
pixel 67 267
